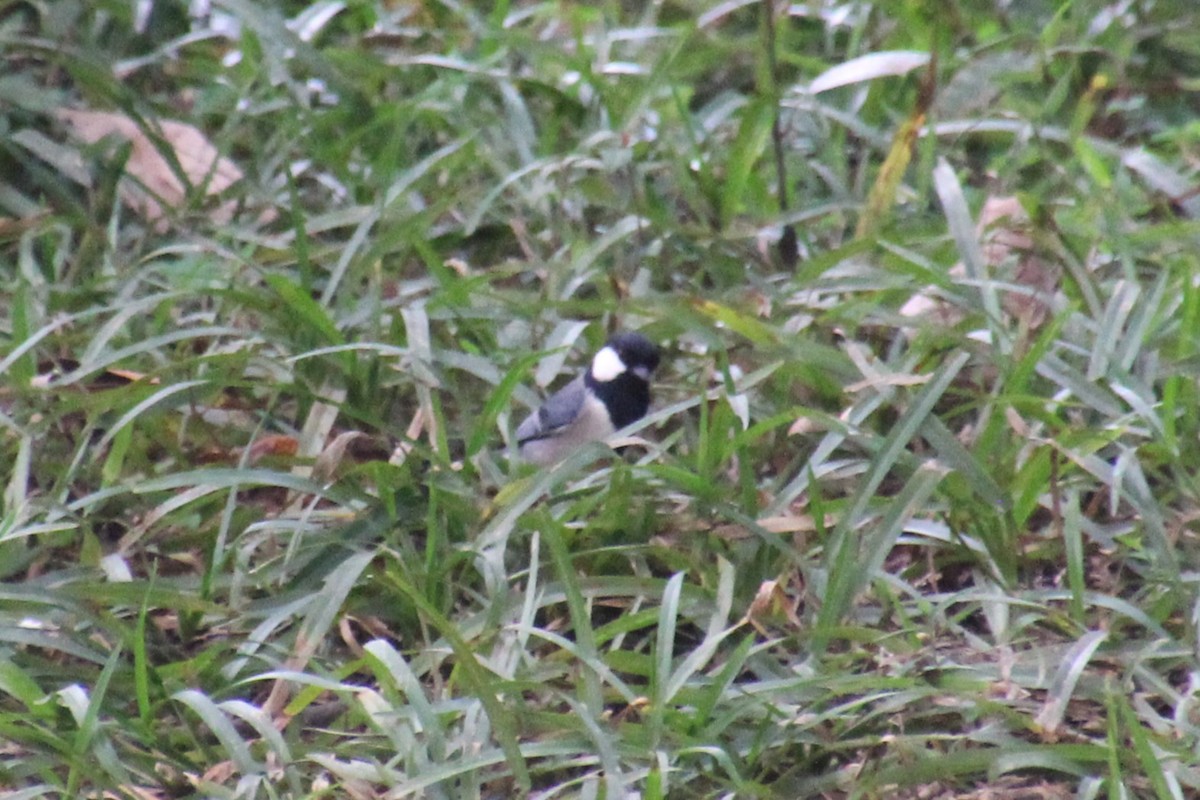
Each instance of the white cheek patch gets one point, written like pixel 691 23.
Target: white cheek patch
pixel 607 365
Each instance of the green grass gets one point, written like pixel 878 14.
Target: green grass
pixel 260 532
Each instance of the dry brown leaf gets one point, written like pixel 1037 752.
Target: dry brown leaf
pixel 277 444
pixel 329 459
pixel 804 426
pixel 126 376
pixel 1012 256
pixel 346 631
pixel 50 372
pixel 771 603
pixel 219 773
pixel 155 183
pixel 933 310
pixel 787 524
pixel 1004 226
pixel 1017 422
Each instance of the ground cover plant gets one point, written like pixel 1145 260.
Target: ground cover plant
pixel 915 512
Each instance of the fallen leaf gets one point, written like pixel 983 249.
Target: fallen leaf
pixel 219 773
pixel 787 524
pixel 804 426
pixel 1012 258
pixel 155 185
pixel 50 373
pixel 772 604
pixel 278 444
pixel 1004 228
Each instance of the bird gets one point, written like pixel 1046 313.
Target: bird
pixel 614 391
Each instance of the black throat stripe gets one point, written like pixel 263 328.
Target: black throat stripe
pixel 626 396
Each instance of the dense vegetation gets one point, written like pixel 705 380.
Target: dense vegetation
pixel 915 513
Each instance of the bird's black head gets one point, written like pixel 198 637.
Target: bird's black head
pixel 620 376
pixel 637 353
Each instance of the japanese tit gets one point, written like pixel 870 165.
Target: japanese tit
pixel 613 392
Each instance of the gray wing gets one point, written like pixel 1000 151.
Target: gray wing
pixel 559 411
